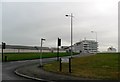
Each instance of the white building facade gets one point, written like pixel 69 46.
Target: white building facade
pixel 86 46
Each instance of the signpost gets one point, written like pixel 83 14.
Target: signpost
pixel 70 65
pixel 65 60
pixel 60 65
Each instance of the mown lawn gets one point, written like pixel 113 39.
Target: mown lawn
pixel 28 56
pixel 99 66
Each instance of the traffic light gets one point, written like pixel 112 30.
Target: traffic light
pixel 59 42
pixel 3 45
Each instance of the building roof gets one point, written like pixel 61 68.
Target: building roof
pixel 85 41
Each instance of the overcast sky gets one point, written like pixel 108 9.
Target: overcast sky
pixel 24 23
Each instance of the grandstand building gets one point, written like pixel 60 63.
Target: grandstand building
pixel 86 46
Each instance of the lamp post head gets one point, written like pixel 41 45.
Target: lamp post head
pixel 42 39
pixel 66 15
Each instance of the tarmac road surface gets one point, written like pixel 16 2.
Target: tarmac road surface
pixel 8 68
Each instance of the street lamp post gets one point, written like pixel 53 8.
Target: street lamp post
pixel 42 39
pixel 96 36
pixel 71 16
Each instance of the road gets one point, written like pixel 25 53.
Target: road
pixel 8 68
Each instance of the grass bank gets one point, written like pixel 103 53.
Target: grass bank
pixel 28 56
pixel 99 66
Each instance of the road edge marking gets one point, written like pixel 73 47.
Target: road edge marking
pixel 29 77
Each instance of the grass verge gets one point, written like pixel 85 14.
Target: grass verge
pixel 28 56
pixel 100 66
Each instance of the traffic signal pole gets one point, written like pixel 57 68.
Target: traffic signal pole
pixel 59 44
pixel 58 53
pixel 3 47
pixel 2 54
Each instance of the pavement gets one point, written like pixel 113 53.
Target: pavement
pixel 9 68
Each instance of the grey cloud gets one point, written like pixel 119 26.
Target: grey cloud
pixel 25 23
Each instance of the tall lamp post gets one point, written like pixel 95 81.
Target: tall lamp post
pixel 96 36
pixel 71 16
pixel 41 64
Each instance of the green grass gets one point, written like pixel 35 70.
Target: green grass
pixel 28 56
pixel 100 66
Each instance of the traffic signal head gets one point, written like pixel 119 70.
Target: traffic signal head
pixel 3 45
pixel 59 42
